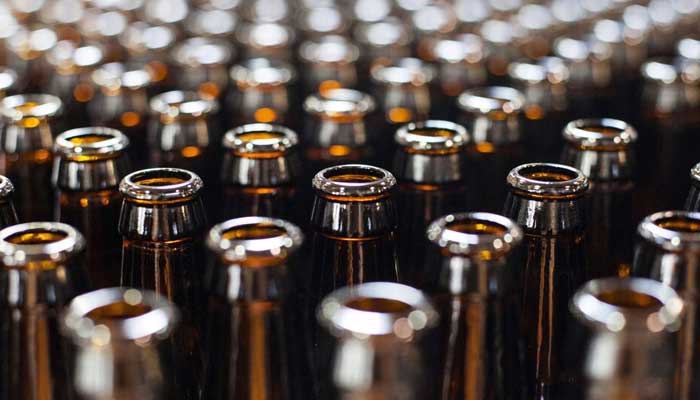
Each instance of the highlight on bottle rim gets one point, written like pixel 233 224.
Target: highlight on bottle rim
pixel 6 187
pixel 432 135
pixel 547 179
pixel 473 233
pixel 695 173
pixel 199 51
pixel 8 78
pixel 600 133
pixel 672 230
pixel 39 241
pixel 404 71
pixel 351 180
pixel 377 308
pixel 161 184
pixel 339 102
pixel 90 141
pixel 329 49
pixel 22 106
pixel 490 99
pixel 182 103
pixel 240 238
pixel 116 75
pixel 260 138
pixel 262 72
pixel 552 70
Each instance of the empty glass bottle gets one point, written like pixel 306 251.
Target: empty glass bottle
pixel 162 217
pixel 89 164
pixel 547 201
pixel 404 89
pixel 41 272
pixel 202 66
pixel 123 349
pixel 477 299
pixel 247 285
pixel 150 45
pixel 26 152
pixel 329 63
pixel 432 182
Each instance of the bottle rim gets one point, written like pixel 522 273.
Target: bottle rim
pixel 408 135
pixel 8 78
pixel 695 173
pixel 403 71
pixel 235 139
pixel 279 239
pixel 140 37
pixel 485 100
pixel 655 307
pixel 580 49
pixel 47 106
pixel 6 187
pixel 250 35
pixel 202 52
pixel 155 317
pixel 339 103
pixel 262 72
pixel 616 134
pixel 561 180
pixel 661 70
pixel 491 233
pixel 465 47
pixel 114 142
pixel 372 181
pixel 366 33
pixel 658 228
pixel 177 103
pixel 551 69
pixel 186 184
pixel 116 75
pixel 67 53
pixel 63 242
pixel 211 23
pixel 329 49
pixel 341 313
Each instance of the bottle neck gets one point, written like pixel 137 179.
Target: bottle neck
pixel 90 176
pixel 236 282
pixel 186 134
pixel 462 275
pixel 544 216
pixel 24 138
pixel 601 166
pixel 142 220
pixel 50 284
pixel 276 170
pixel 429 168
pixel 500 130
pixel 354 219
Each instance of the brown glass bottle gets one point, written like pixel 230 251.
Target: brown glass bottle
pixel 150 45
pixel 603 149
pixel 89 164
pixel 122 347
pixel 627 327
pixel 162 217
pixel 40 273
pixel 547 200
pixel 429 166
pixel 477 299
pixel 247 285
pixel 667 251
pixel 377 350
pixel 202 66
pixel 8 215
pixel 329 63
pixel 403 87
pixel 492 118
pixel 26 152
pixel 259 172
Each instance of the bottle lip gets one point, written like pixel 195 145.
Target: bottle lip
pixel 235 139
pixel 329 49
pixel 179 103
pixel 211 23
pixel 67 53
pixel 187 184
pixel 661 70
pixel 157 319
pixel 338 313
pixel 493 233
pixel 455 135
pixel 322 19
pixel 490 99
pixel 117 75
pixel 262 35
pixel 584 48
pixel 281 242
pixel 6 187
pixel 465 47
pixel 46 106
pixel 339 103
pixel 663 314
pixel 8 78
pixel 563 180
pixel 389 32
pixel 140 37
pixel 615 133
pixel 67 243
pixel 114 142
pixel 201 51
pixel 404 71
pixel 658 229
pixel 379 182
pixel 262 72
pixel 547 69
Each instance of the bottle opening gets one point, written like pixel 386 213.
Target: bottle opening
pixel 260 140
pixel 162 178
pixel 177 103
pixel 258 136
pixel 89 139
pixel 161 184
pixel 629 299
pixel 340 103
pixel 493 99
pixel 600 134
pixel 433 136
pixel 28 106
pixel 50 242
pixel 262 230
pixel 378 305
pixel 477 227
pixel 87 144
pixel 672 230
pixel 547 180
pixel 354 180
pixel 118 310
pixel 679 224
pixel 546 174
pixel 475 234
pixel 36 236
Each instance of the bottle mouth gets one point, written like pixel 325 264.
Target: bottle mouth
pixel 32 242
pixel 90 143
pixel 199 51
pixel 431 136
pixel 330 49
pixel 492 99
pixel 262 72
pixel 672 230
pixel 6 187
pixel 103 316
pixel 178 103
pixel 600 134
pixel 617 304
pixel 404 71
pixel 660 70
pixel 377 308
pixel 254 241
pixel 354 181
pixel 8 79
pixel 161 184
pixel 117 75
pixel 260 139
pixel 548 69
pixel 24 106
pixel 547 180
pixel 477 234
pixel 340 103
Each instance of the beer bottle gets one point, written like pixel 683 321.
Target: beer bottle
pixel 431 22
pixel 121 102
pixel 121 344
pixel 533 26
pixel 603 149
pixel 90 163
pixel 8 81
pixel 161 218
pixel 28 47
pixel 498 37
pixel 261 92
pixel 432 182
pixel 329 63
pixel 40 273
pixel 8 215
pixel 104 26
pixel 491 116
pixel 547 201
pixel 149 45
pixel 202 66
pixel 667 251
pixel 25 156
pixel 247 289
pixel 627 326
pixel 476 294
pixel 259 171
pixel 404 89
pixel 692 202
pixel 377 352
pixel 382 41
